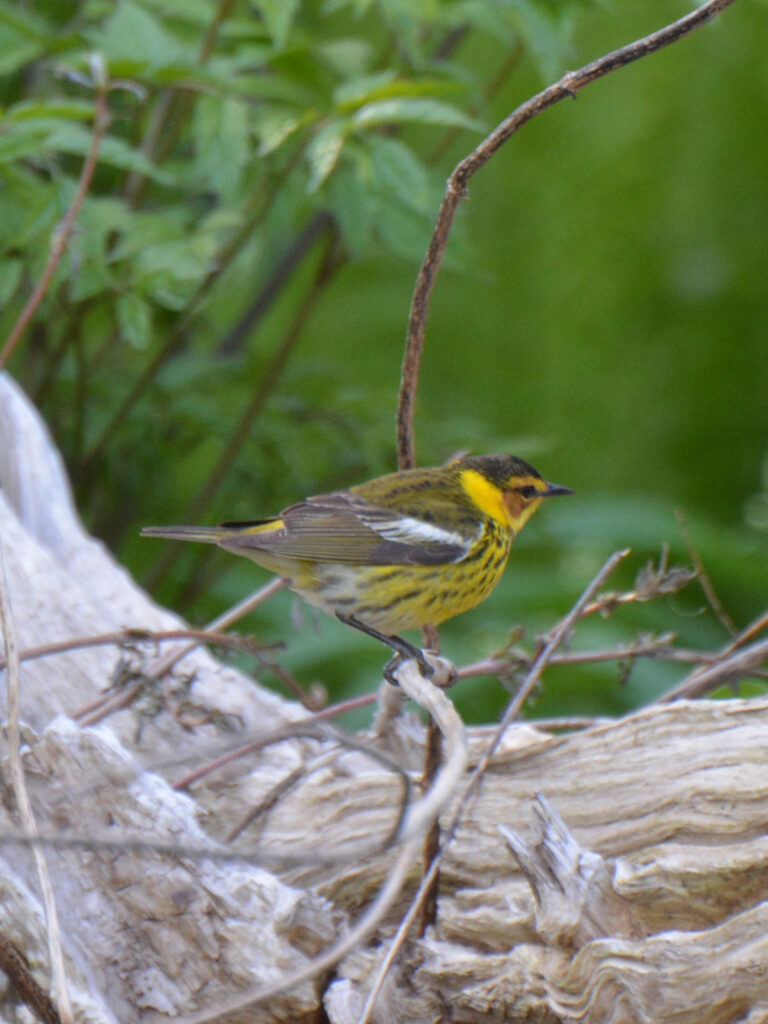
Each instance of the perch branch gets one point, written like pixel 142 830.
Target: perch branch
pixel 557 636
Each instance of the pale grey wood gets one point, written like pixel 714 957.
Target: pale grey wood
pixel 652 899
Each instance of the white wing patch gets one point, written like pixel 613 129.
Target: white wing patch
pixel 408 530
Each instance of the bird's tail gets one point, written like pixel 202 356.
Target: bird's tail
pixel 206 534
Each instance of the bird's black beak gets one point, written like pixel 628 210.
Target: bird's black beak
pixel 553 490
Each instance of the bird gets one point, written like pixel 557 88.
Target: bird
pixel 396 553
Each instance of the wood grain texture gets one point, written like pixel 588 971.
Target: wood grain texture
pixel 642 899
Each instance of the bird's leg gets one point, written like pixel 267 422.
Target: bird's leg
pixel 402 648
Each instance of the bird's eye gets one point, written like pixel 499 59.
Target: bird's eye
pixel 527 491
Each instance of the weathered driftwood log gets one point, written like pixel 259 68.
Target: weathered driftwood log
pixel 615 875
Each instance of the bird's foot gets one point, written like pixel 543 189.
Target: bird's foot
pixel 440 671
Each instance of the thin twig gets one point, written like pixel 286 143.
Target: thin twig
pixel 657 648
pixel 508 65
pixel 322 732
pixel 730 667
pixel 114 702
pixel 14 966
pixel 16 771
pixel 754 627
pixel 433 752
pixel 62 234
pixel 431 698
pixel 279 790
pixel 140 636
pixel 433 749
pixel 567 87
pixel 352 704
pixel 571 723
pixel 652 581
pixel 544 657
pixel 703 576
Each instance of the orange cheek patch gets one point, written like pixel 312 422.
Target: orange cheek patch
pixel 514 504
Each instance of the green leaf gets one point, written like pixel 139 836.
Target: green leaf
pixel 547 32
pixel 21 141
pixel 402 233
pixel 145 228
pixel 383 194
pixel 323 152
pixel 274 125
pixel 24 22
pixel 25 36
pixel 35 136
pixel 404 110
pixel 351 95
pixel 196 13
pixel 278 16
pixel 54 109
pixel 397 171
pixel 350 58
pixel 10 276
pixel 28 208
pixel 132 33
pixel 16 53
pixel 89 272
pixel 72 138
pixel 134 318
pixel 353 206
pixel 494 18
pixel 359 7
pixel 170 271
pixel 222 143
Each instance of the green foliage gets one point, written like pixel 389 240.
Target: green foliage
pixel 224 333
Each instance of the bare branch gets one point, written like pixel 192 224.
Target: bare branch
pixel 126 637
pixel 114 701
pixel 706 583
pixel 63 232
pixel 732 666
pixel 456 189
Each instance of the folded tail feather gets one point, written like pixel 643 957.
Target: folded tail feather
pixel 207 534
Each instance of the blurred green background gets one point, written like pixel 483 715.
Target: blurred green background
pixel 225 333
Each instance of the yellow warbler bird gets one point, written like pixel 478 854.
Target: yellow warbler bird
pixel 410 548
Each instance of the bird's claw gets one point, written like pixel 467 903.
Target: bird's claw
pixel 440 671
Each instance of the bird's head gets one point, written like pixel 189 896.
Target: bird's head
pixel 506 488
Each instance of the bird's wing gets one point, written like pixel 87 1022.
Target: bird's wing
pixel 345 528
pixel 423 542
